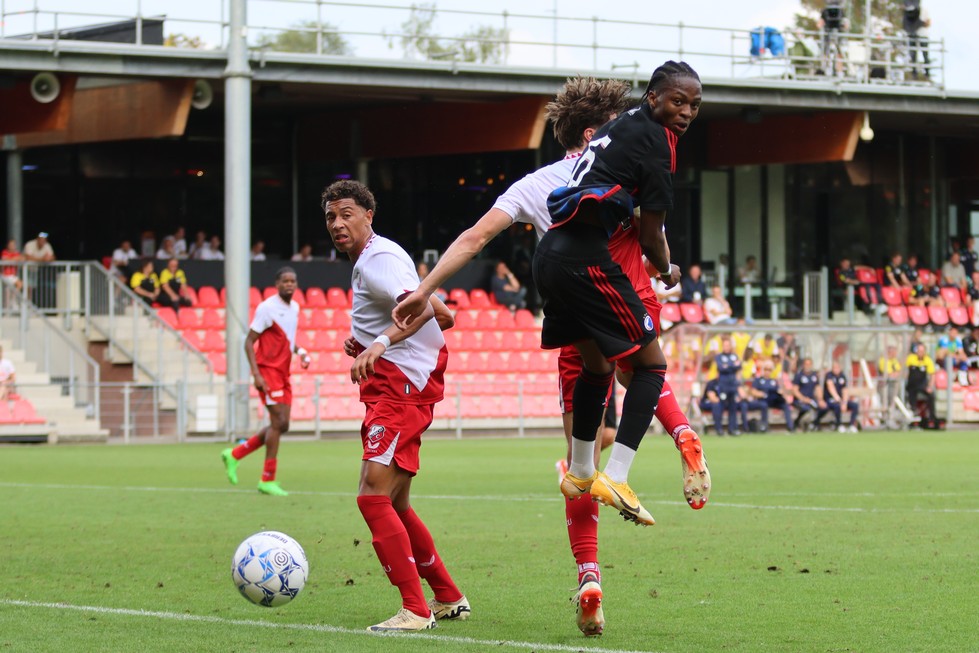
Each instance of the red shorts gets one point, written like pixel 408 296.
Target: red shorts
pixel 279 387
pixel 393 432
pixel 569 362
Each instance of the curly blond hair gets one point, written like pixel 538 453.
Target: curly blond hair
pixel 585 102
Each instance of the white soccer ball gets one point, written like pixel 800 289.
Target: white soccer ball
pixel 269 568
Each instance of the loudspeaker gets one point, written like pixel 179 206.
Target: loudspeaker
pixel 203 95
pixel 45 87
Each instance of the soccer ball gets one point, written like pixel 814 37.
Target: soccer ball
pixel 269 568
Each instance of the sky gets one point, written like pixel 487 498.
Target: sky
pixel 955 21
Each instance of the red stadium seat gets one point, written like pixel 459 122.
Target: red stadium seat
pixel 951 296
pixel 340 320
pixel 906 293
pixel 865 274
pixel 671 312
pixel 898 314
pixel 465 320
pixel 470 341
pixel 971 400
pixel 336 298
pixel 304 340
pixel 191 294
pixel 486 320
pixel 315 297
pixel 460 298
pixel 892 295
pixel 305 321
pixel 505 320
pixel 320 319
pixel 496 363
pixel 269 291
pixel 938 315
pixel 299 297
pixel 925 275
pixel 213 341
pixel 958 315
pixel 524 319
pixel 208 297
pixel 326 341
pixel 254 296
pixel 22 412
pixel 188 319
pixel 918 315
pixel 693 313
pixel 493 341
pixel 475 362
pixel 219 362
pixel 479 299
pixel 212 319
pixel 518 362
pixel 168 315
pixel 453 339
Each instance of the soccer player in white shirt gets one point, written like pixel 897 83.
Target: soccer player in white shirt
pixel 274 330
pixel 400 373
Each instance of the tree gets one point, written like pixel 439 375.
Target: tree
pixel 184 41
pixel 886 15
pixel 303 36
pixel 483 44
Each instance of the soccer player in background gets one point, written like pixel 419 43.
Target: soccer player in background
pixel 583 105
pixel 589 302
pixel 400 383
pixel 274 329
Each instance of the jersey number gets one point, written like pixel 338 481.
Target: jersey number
pixel 587 160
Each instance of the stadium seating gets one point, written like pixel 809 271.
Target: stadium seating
pixel 951 296
pixel 188 320
pixel 938 315
pixel 219 362
pixel 892 296
pixel 898 314
pixel 208 297
pixel 191 294
pixel 319 319
pixel 478 298
pixel 19 411
pixel 524 319
pixel 212 319
pixel 336 298
pixel 168 315
pixel 460 298
pixel 918 315
pixel 315 297
pixel 671 312
pixel 692 313
pixel 958 315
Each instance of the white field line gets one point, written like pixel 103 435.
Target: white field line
pixel 318 628
pixel 538 498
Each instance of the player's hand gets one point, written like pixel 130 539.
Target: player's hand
pixel 409 308
pixel 673 278
pixel 363 366
pixel 350 347
pixel 304 361
pixel 260 383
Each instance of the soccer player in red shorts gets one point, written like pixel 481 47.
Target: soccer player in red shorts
pixel 274 329
pixel 400 383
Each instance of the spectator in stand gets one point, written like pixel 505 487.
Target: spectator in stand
pixel 180 242
pixel 807 393
pixel 693 290
pixel 304 255
pixel 971 346
pixel 11 278
pixel 950 346
pixel 8 377
pixel 145 283
pixel 791 353
pixel 717 309
pixel 173 282
pixel 894 272
pixel 750 273
pixel 258 251
pixel 847 276
pixel 910 270
pixel 765 347
pixel 712 402
pixel 728 383
pixel 921 380
pixel 166 251
pixel 927 293
pixel 39 250
pixel 968 256
pixel 916 22
pixel 953 272
pixel 198 246
pixel 765 387
pixel 836 394
pixel 506 288
pixel 889 370
pixel 213 250
pixel 122 256
pixel 973 291
pixel 917 337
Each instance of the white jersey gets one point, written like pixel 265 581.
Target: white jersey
pixel 276 321
pixel 383 273
pixel 526 200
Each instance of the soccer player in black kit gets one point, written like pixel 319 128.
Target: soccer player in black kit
pixel 589 302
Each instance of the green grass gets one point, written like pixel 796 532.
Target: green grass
pixel 809 543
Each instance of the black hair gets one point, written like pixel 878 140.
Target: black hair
pixel 349 189
pixel 283 270
pixel 668 72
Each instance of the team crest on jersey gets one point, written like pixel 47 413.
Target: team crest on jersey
pixel 375 433
pixel 647 322
pixel 356 281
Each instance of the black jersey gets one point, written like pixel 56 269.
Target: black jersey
pixel 632 156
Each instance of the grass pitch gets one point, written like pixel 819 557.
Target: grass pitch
pixel 819 542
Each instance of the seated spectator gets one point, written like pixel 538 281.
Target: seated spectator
pixel 122 256
pixel 953 272
pixel 921 380
pixel 973 291
pixel 765 347
pixel 969 257
pixel 970 344
pixel 11 278
pixel 693 290
pixel 950 346
pixel 506 288
pixel 8 377
pixel 212 250
pixel 39 249
pixel 791 353
pixel 750 273
pixel 894 272
pixel 716 401
pixel 767 391
pixel 836 396
pixel 304 255
pixel 180 242
pixel 166 251
pixel 717 309
pixel 198 246
pixel 807 393
pixel 889 370
pixel 145 283
pixel 927 293
pixel 846 275
pixel 173 283
pixel 258 251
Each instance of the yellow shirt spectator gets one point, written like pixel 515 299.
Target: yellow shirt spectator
pixel 166 276
pixel 888 366
pixel 138 279
pixel 921 364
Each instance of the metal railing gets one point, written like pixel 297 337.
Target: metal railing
pixel 399 32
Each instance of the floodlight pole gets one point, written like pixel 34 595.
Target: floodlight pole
pixel 15 196
pixel 237 213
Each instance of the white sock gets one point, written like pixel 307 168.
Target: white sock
pixel 582 458
pixel 619 463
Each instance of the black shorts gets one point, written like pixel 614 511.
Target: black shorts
pixel 586 294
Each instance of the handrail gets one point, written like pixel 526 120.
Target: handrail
pixel 575 41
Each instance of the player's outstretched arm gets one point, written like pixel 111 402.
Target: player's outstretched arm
pixel 469 243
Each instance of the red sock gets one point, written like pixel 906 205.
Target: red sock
pixel 268 472
pixel 582 517
pixel 427 559
pixel 393 548
pixel 246 447
pixel 669 414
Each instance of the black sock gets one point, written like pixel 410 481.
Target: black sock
pixel 639 404
pixel 590 391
